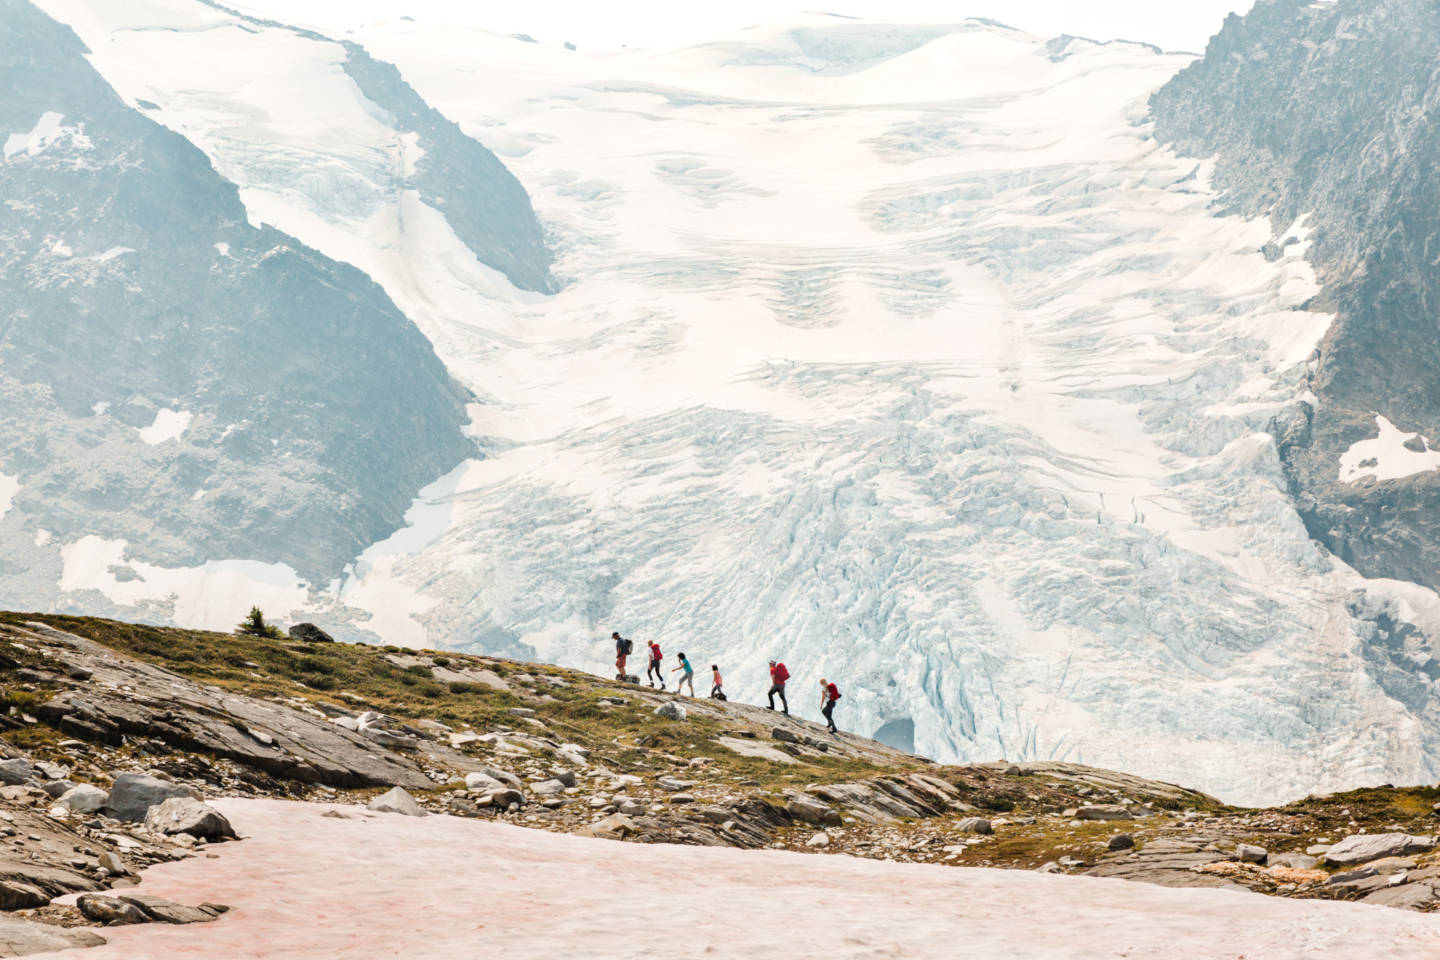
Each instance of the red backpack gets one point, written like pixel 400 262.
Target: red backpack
pixel 781 674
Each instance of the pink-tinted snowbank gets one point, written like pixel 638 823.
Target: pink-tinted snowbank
pixel 307 887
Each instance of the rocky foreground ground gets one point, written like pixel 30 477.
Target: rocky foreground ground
pixel 117 736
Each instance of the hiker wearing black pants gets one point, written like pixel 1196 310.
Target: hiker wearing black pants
pixel 778 676
pixel 654 669
pixel 829 693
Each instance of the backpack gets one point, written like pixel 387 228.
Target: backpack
pixel 629 646
pixel 834 692
pixel 781 674
pixel 655 652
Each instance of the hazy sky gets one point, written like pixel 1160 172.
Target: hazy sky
pixel 1184 25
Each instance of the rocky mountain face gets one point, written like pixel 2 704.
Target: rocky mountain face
pixel 172 375
pixel 1321 117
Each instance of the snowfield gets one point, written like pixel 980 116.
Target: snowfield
pixel 303 886
pixel 903 354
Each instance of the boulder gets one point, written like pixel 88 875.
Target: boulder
pixel 133 794
pixel 1295 861
pixel 20 938
pixel 672 785
pixel 15 895
pixel 168 911
pixel 396 800
pixel 184 815
pixel 617 826
pixel 819 840
pixel 482 782
pixel 548 788
pixel 1408 896
pixel 1103 811
pixel 111 911
pixel 509 779
pixel 975 825
pixel 1249 853
pixel 630 807
pixel 566 777
pixel 503 798
pixel 51 771
pixel 83 798
pixel 783 735
pixel 16 771
pixel 809 811
pixel 1121 841
pixel 309 633
pixel 114 865
pixel 670 711
pixel 1364 847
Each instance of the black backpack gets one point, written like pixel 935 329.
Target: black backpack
pixel 629 646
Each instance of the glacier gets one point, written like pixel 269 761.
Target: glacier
pixel 902 353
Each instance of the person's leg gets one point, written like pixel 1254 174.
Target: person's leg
pixel 785 704
pixel 773 688
pixel 829 711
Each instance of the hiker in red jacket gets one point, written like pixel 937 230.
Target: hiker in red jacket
pixel 829 693
pixel 778 676
pixel 654 670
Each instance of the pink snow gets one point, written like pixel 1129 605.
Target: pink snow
pixel 308 887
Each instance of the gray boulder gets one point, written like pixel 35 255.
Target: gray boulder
pixel 509 779
pixel 784 736
pixel 670 711
pixel 168 911
pixel 1296 861
pixel 16 771
pixel 1248 853
pixel 309 633
pixel 809 811
pixel 1104 811
pixel 83 798
pixel 482 782
pixel 15 895
pixel 548 788
pixel 184 815
pixel 56 788
pixel 1362 848
pixel 396 800
pixel 1121 841
pixel 133 794
pixel 975 825
pixel 19 938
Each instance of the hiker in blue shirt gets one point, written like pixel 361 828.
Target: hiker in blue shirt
pixel 689 675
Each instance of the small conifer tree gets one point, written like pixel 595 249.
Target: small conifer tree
pixel 254 625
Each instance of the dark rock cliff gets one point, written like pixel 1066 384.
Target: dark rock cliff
pixel 1328 111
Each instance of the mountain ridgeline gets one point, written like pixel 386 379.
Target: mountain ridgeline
pixel 1324 114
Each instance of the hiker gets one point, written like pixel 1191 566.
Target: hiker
pixel 778 676
pixel 655 665
pixel 829 693
pixel 622 650
pixel 689 675
pixel 716 683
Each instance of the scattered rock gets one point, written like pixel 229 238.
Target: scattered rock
pixel 672 785
pixel 670 711
pixel 810 811
pixel 819 840
pixel 396 800
pixel 184 815
pixel 783 735
pixel 1121 841
pixel 548 788
pixel 975 825
pixel 1294 861
pixel 309 633
pixel 114 865
pixel 682 798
